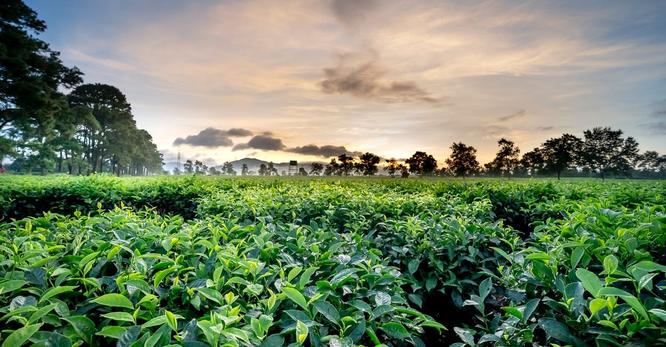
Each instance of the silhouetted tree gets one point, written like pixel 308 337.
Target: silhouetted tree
pixel 651 161
pixel 560 153
pixel 605 151
pixel 263 170
pixel 302 172
pixel 462 161
pixel 228 169
pixel 392 166
pixel 422 163
pixel 316 169
pixel 532 162
pixel 188 166
pixel 506 159
pixel 244 170
pixel 368 164
pixel 346 164
pixel 271 169
pixel 199 167
pixel 404 171
pixel 332 168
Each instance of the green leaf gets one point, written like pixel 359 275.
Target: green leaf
pixel 597 305
pixel 119 316
pixel 395 330
pixel 56 291
pixel 466 335
pixel 501 252
pixel 296 296
pixel 171 320
pixel 293 273
pixel 576 255
pixel 413 265
pixel 114 300
pixel 485 287
pixel 301 332
pixel 305 277
pixel 514 311
pixel 649 266
pixel 610 264
pixel 83 326
pixel 530 307
pixel 211 294
pixel 129 336
pixel 557 330
pixel 159 276
pixel 273 341
pixel 10 286
pixel 659 313
pixel 20 336
pixel 327 310
pixel 112 331
pixel 590 281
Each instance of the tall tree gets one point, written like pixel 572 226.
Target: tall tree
pixel 422 163
pixel 560 153
pixel 108 134
pixel 506 159
pixel 316 169
pixel 651 161
pixel 188 166
pixel 462 161
pixel 606 152
pixel 346 164
pixel 263 170
pixel 244 170
pixel 332 168
pixel 533 162
pixel 368 164
pixel 392 166
pixel 271 169
pixel 30 76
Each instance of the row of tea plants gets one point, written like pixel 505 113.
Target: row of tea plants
pixel 265 262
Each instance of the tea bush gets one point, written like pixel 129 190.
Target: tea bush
pixel 196 261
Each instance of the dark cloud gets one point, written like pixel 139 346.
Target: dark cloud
pixel 352 12
pixel 657 123
pixel 546 128
pixel 322 151
pixel 366 81
pixel 211 137
pixel 262 142
pixel 238 132
pixel 514 115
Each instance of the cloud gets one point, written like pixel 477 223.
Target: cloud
pixel 657 124
pixel 322 151
pixel 514 115
pixel 367 81
pixel 212 137
pixel 262 142
pixel 546 128
pixel 239 132
pixel 352 12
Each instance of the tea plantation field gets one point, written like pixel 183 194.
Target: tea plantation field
pixel 191 261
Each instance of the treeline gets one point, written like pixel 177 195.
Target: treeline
pixel 43 129
pixel 601 152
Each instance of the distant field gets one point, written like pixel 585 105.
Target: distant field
pixel 198 261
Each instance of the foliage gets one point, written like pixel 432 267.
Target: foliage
pixel 300 261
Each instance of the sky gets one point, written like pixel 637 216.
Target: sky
pixel 302 80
